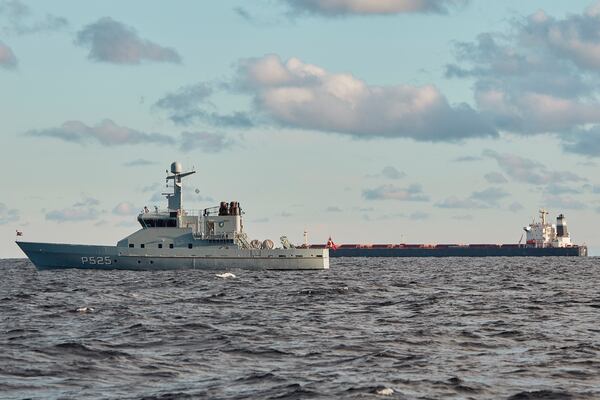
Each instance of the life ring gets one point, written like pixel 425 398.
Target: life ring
pixel 221 224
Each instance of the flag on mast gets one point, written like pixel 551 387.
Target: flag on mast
pixel 331 245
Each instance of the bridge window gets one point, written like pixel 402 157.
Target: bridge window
pixel 130 244
pixel 160 245
pixel 170 245
pixel 189 246
pixel 142 245
pixel 158 222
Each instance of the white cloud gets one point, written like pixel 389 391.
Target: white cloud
pixel 87 202
pixel 191 103
pixel 140 162
pixel 413 192
pixel 540 77
pixel 83 210
pixel 527 170
pixel 72 214
pixel 467 159
pixel 7 57
pixel 392 173
pixel 515 206
pixel 114 42
pixel 18 19
pixel 306 96
pixel 583 141
pixel 370 7
pixel 576 37
pixel 455 202
pixel 125 209
pixel 204 141
pixel 388 172
pixel 106 133
pixel 486 198
pixel 495 177
pixel 564 202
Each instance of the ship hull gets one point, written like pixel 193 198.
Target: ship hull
pixel 499 251
pixel 59 256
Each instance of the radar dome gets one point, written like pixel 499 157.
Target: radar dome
pixel 176 167
pixel 267 244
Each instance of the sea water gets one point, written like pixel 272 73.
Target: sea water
pixel 423 328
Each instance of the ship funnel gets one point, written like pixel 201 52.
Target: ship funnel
pixel 561 226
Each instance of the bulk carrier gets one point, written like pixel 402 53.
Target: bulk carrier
pixel 542 239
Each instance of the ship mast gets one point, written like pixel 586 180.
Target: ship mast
pixel 174 198
pixel 543 214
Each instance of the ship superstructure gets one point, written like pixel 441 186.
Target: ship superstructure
pixel 176 238
pixel 543 234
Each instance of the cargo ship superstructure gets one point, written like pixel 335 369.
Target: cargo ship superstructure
pixel 541 239
pixel 176 238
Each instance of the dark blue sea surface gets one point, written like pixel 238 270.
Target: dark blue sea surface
pixel 453 328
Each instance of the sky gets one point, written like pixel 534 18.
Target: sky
pixel 415 121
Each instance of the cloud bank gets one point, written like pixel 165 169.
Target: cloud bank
pixel 207 142
pixel 106 133
pixel 486 198
pixel 526 170
pixel 305 96
pixel 16 18
pixel 84 210
pixel 541 77
pixel 114 42
pixel 189 104
pixel 125 208
pixel 413 192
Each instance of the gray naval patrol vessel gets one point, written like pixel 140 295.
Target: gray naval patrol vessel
pixel 179 239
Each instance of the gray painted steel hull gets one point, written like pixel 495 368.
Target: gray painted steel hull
pixel 56 256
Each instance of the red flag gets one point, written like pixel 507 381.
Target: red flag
pixel 19 233
pixel 331 245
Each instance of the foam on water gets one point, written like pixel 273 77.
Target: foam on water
pixel 226 275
